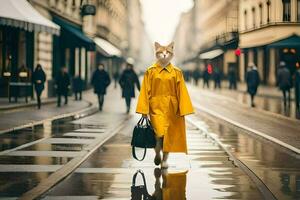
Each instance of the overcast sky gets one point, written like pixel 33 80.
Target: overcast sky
pixel 161 17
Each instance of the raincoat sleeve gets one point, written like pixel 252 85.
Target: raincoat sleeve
pixel 143 101
pixel 185 104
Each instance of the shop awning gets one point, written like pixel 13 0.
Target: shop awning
pixel 290 42
pixel 106 48
pixel 73 34
pixel 20 14
pixel 211 54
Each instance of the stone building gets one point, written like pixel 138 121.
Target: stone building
pixel 84 40
pixel 269 33
pixel 25 39
pixel 209 33
pixel 182 38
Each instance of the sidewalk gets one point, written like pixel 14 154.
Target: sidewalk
pixel 263 90
pixel 269 98
pixel 13 119
pixel 46 154
pixel 280 130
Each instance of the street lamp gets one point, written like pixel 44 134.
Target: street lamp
pixel 87 9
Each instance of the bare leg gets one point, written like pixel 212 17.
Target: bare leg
pixel 164 163
pixel 158 191
pixel 158 149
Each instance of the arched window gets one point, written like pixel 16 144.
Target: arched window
pixel 245 20
pixel 298 10
pixel 268 10
pixel 253 17
pixel 286 10
pixel 260 14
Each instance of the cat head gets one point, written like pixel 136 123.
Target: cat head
pixel 164 54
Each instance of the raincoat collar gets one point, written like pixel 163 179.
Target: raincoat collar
pixel 160 68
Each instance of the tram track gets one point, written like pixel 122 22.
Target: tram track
pixel 267 194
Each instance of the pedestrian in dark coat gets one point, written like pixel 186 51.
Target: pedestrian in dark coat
pixel 100 81
pixel 232 78
pixel 284 82
pixel 297 91
pixel 127 82
pixel 38 79
pixel 253 80
pixel 196 75
pixel 62 81
pixel 78 87
pixel 217 78
pixel 116 78
pixel 206 77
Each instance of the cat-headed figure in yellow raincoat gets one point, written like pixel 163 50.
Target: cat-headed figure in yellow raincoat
pixel 164 97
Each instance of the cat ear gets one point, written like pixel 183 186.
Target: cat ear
pixel 157 45
pixel 171 45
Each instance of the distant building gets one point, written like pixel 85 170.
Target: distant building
pixel 209 32
pixel 269 32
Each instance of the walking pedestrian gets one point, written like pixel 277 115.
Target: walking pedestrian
pixel 100 81
pixel 78 87
pixel 196 75
pixel 253 80
pixel 285 83
pixel 62 81
pixel 232 78
pixel 165 98
pixel 217 78
pixel 297 90
pixel 38 79
pixel 116 78
pixel 206 77
pixel 127 82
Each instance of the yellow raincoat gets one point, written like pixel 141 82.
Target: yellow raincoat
pixel 164 96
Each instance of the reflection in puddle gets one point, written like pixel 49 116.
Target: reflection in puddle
pixel 168 186
pixel 277 168
pixel 13 184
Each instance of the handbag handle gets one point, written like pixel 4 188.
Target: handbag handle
pixel 140 122
pixel 135 175
pixel 134 154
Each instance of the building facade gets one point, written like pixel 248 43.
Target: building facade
pixel 269 33
pixel 208 35
pixel 218 36
pixel 114 33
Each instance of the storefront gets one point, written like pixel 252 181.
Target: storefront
pixel 17 41
pixel 267 57
pixel 109 55
pixel 222 55
pixel 72 49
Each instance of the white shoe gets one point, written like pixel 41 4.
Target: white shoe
pixel 164 165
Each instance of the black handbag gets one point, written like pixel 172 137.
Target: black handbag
pixel 143 137
pixel 139 192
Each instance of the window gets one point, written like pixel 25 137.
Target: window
pixel 260 13
pixel 286 10
pixel 245 20
pixel 253 17
pixel 268 10
pixel 298 10
pixel 1 52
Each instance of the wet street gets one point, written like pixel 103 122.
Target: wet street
pixel 206 172
pixel 89 157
